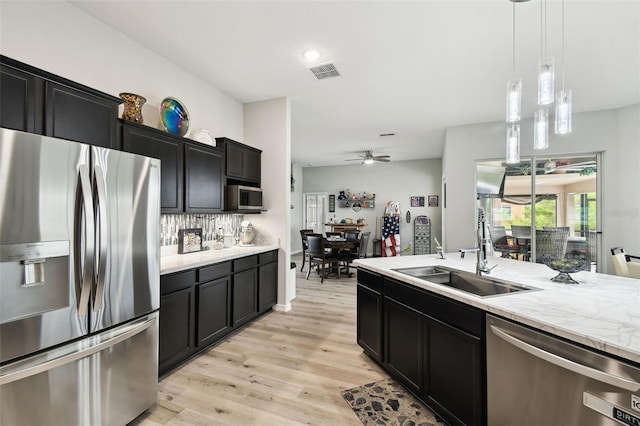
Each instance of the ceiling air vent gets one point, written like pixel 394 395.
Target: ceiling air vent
pixel 325 71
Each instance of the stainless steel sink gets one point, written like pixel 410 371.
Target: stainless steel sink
pixel 465 281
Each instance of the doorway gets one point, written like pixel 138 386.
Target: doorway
pixel 315 211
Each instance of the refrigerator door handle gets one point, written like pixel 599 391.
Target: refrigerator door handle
pixel 84 247
pixel 583 370
pixel 21 373
pixel 102 235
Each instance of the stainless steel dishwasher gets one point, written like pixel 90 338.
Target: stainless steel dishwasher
pixel 534 379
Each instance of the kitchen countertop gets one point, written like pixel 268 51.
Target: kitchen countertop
pixel 179 262
pixel 602 312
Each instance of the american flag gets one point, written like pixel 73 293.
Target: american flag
pixel 390 236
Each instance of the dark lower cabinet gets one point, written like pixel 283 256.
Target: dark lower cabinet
pixel 245 304
pixel 268 284
pixel 214 319
pixel 431 344
pixel 177 325
pixel 453 377
pixel 404 344
pixel 369 313
pixel 200 306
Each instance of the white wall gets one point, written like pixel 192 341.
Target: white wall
pixel 64 40
pixel 614 132
pixel 393 181
pixel 267 126
pixel 296 211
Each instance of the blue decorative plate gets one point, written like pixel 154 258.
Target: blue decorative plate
pixel 174 116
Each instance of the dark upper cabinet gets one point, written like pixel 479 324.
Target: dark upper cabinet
pixel 36 101
pixel 242 162
pixel 192 175
pixel 157 144
pixel 81 116
pixel 204 178
pixel 20 100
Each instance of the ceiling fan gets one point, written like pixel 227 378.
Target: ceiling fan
pixel 369 158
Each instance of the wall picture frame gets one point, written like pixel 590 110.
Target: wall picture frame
pixel 433 201
pixel 417 201
pixel 189 240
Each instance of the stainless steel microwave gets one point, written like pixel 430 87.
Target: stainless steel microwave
pixel 241 197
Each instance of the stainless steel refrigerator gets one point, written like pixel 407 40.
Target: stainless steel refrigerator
pixel 79 282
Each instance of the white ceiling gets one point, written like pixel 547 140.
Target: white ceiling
pixel 409 67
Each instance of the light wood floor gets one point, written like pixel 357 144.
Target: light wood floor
pixel 284 369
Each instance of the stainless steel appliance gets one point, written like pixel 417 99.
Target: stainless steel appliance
pixel 537 379
pixel 240 197
pixel 79 282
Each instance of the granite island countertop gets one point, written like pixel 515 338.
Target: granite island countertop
pixel 602 312
pixel 171 262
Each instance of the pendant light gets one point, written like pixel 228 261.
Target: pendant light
pixel 563 97
pixel 545 64
pixel 541 129
pixel 514 105
pixel 545 86
pixel 513 144
pixel 514 86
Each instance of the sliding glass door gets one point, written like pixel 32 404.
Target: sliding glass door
pixel 544 195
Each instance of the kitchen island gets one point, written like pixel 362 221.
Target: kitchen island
pixel 440 343
pixel 602 312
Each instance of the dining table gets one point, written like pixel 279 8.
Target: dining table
pixel 337 244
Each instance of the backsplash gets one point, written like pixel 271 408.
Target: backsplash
pixel 170 224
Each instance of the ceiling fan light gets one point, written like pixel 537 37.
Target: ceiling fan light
pixel 368 160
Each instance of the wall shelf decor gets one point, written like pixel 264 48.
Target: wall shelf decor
pixel 364 200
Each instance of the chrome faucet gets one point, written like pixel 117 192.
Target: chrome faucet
pixel 485 246
pixel 439 248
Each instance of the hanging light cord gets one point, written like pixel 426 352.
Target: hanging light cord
pixel 514 40
pixel 562 45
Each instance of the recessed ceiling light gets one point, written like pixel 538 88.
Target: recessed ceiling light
pixel 311 54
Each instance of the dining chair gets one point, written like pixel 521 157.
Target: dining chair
pixel 355 235
pixel 359 253
pixel 552 244
pixel 625 264
pixel 305 245
pixel 556 228
pixel 503 243
pixel 319 257
pixel 522 236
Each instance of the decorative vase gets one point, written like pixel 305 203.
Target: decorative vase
pixel 132 107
